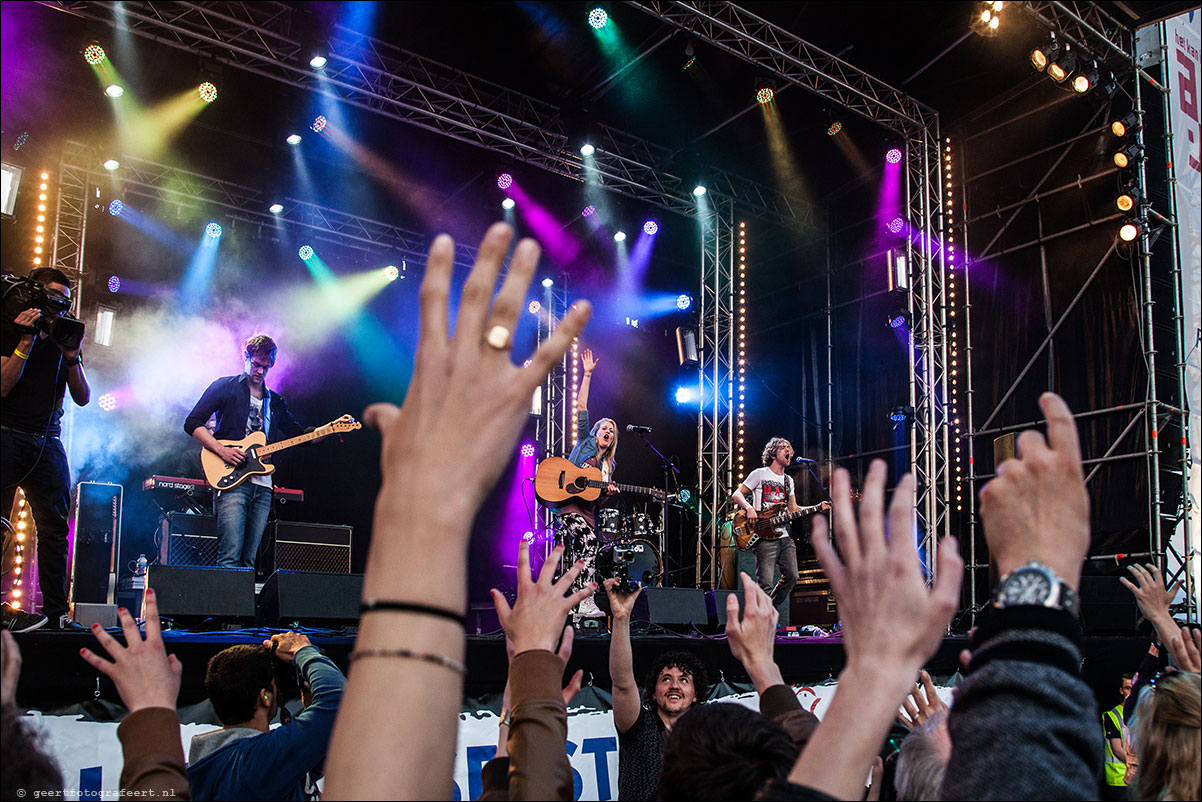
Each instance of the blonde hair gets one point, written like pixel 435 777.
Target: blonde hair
pixel 607 460
pixel 1167 723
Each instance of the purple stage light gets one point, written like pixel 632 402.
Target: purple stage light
pixel 897 321
pixel 319 123
pixel 650 227
pixel 108 402
pixel 116 208
pixel 504 181
pixel 305 252
pixel 114 284
pixel 213 231
pixel 893 156
pixel 588 211
pixel 895 225
pixel 527 450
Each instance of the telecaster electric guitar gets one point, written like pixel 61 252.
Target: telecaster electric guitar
pixel 559 480
pixel 223 476
pixel 769 524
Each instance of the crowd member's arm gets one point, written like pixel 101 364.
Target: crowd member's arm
pixel 1154 602
pixel 920 703
pixel 1023 723
pixel 538 729
pixel 12 364
pixel 466 405
pixel 752 641
pixel 627 704
pixel 892 624
pixel 148 679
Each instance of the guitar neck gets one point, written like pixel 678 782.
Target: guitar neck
pixel 625 488
pixel 321 431
pixel 789 516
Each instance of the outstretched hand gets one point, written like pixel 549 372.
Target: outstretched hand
pixel 536 619
pixel 1153 598
pixel 621 603
pixel 922 702
pixel 753 639
pixel 587 361
pixel 145 675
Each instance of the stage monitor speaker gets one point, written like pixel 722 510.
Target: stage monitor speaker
pixel 188 539
pixel 812 608
pixel 97 533
pixel 190 594
pixel 715 607
pixel 309 547
pixel 1107 607
pixel 671 607
pixel 310 598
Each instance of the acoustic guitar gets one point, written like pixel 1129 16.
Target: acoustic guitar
pixel 770 523
pixel 558 481
pixel 223 476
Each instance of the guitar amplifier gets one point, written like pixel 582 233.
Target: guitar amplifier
pixel 188 540
pixel 97 531
pixel 308 547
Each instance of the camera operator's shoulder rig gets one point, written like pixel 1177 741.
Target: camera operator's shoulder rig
pixel 20 293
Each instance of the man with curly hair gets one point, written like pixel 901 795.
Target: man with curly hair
pixel 676 682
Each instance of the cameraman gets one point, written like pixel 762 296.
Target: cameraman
pixel 34 374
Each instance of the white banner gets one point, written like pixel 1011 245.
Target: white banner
pixel 89 754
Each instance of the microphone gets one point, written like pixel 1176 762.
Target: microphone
pixel 630 427
pixel 802 460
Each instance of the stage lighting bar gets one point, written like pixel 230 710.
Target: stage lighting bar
pixel 1129 198
pixel 575 386
pixel 953 341
pixel 1045 54
pixel 39 229
pixel 741 323
pixel 23 521
pixel 1086 79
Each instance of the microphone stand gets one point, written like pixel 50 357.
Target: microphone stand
pixel 670 473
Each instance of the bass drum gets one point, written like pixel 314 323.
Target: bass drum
pixel 634 560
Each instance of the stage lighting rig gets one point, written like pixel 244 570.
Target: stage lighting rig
pixel 1124 126
pixel 1128 155
pixel 1131 229
pixel 1045 54
pixel 988 18
pixel 1061 67
pixel 1087 79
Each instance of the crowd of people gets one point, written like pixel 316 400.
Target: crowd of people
pixel 1022 724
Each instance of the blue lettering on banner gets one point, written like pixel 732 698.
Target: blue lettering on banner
pixel 600 749
pixel 89 782
pixel 456 793
pixel 477 756
pixel 577 780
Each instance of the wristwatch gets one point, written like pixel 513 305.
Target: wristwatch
pixel 1034 584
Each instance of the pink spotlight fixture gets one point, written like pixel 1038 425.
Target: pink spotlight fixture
pixel 588 211
pixel 527 450
pixel 893 156
pixel 504 181
pixel 108 402
pixel 319 124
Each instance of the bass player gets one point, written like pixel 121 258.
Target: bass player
pixel 763 488
pixel 243 404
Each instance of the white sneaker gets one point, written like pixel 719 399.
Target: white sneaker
pixel 589 609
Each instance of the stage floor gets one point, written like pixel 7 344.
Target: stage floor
pixel 54 677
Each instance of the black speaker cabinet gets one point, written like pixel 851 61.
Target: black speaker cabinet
pixel 1107 607
pixel 188 540
pixel 189 594
pixel 310 598
pixel 97 533
pixel 715 607
pixel 308 547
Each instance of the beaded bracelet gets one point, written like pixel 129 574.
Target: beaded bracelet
pixel 407 654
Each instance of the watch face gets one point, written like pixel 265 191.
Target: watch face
pixel 1026 586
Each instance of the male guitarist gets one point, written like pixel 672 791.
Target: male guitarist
pixel 243 404
pixel 768 486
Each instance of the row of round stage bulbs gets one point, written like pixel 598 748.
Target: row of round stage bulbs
pixel 1071 70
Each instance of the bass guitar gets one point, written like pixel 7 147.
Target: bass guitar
pixel 223 476
pixel 769 524
pixel 559 480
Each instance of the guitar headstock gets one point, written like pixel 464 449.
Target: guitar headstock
pixel 344 424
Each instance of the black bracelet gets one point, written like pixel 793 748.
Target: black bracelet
pixel 374 605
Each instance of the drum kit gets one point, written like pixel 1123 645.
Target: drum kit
pixel 627 548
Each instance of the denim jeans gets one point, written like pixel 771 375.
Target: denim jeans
pixel 39 464
pixel 241 519
pixel 767 554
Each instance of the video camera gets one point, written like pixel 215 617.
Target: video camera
pixel 57 323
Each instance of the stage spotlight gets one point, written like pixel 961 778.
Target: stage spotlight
pixel 684 495
pixel 548 283
pixel 987 20
pixel 207 91
pixel 93 54
pixel 1045 54
pixel 896 225
pixel 114 284
pixel 275 208
pixel 1124 157
pixel 508 204
pixel 650 227
pixel 319 123
pixel 598 18
pixel 1062 67
pixel 834 129
pixel 534 307
pixel 686 394
pixel 116 208
pixel 764 95
pixel 699 190
pixel 318 61
pixel 111 164
pixel 527 450
pixel 1129 230
pixel 114 90
pixel 1086 79
pixel 620 236
pixel 686 347
pixel 22 138
pixel 213 231
pixel 683 302
pixel 587 150
pixel 588 211
pixel 903 413
pixel 392 273
pixel 504 181
pixel 107 402
pixel 1127 124
pixel 1129 199
pixel 305 252
pixel 293 139
pixel 899 318
pixel 893 156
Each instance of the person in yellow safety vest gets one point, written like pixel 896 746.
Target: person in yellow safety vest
pixel 1116 755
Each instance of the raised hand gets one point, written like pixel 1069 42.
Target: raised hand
pixel 145 675
pixel 587 360
pixel 536 619
pixel 1150 593
pixel 922 702
pixel 753 639
pixel 285 645
pixel 621 603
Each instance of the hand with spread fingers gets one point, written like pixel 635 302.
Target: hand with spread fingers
pixel 1036 508
pixel 753 639
pixel 1153 598
pixel 145 675
pixel 536 619
pixel 921 703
